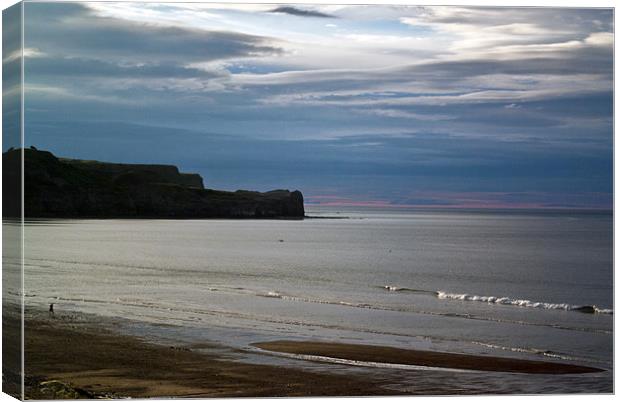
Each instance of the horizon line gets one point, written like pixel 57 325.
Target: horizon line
pixel 460 207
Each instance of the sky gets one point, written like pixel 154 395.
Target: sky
pixel 353 105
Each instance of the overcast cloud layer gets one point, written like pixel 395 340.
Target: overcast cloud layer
pixel 427 106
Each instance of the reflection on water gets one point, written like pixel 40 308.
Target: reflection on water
pixel 376 279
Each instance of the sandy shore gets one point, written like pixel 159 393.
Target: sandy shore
pixel 82 359
pixel 11 352
pixel 383 354
pixel 99 363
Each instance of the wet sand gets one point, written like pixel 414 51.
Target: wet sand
pixel 100 363
pixel 11 353
pixel 383 354
pixel 94 362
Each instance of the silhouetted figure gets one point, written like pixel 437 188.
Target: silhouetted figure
pixel 51 310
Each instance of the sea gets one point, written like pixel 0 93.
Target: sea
pixel 527 284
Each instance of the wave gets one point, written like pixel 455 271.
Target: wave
pixel 392 288
pixel 523 303
pixel 20 294
pixel 590 309
pixel 276 295
pixel 200 310
pixel 170 313
pixel 535 351
pixel 281 296
pixel 541 352
pixel 361 363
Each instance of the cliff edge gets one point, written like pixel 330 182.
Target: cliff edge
pixel 71 188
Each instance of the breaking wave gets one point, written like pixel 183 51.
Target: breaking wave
pixel 523 303
pixel 392 288
pixel 362 363
pixel 276 295
pixel 540 352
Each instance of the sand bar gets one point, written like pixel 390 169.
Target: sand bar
pixel 391 355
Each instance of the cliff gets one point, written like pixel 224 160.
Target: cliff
pixel 68 188
pixel 161 173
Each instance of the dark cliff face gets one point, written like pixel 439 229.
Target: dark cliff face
pixel 62 188
pixel 160 173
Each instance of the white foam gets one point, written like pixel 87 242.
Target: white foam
pixel 522 303
pixel 547 353
pixel 277 295
pixel 535 351
pixel 363 363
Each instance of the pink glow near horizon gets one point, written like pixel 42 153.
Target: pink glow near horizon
pixel 383 204
pixel 455 200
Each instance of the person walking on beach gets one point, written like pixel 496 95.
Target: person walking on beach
pixel 51 310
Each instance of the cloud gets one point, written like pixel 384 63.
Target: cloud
pixel 403 114
pixel 440 98
pixel 74 48
pixel 461 95
pixel 84 67
pixel 18 54
pixel 11 76
pixel 76 31
pixel 298 12
pixel 519 20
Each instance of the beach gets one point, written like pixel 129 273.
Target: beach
pixel 70 356
pixel 263 200
pixel 378 303
pixel 100 363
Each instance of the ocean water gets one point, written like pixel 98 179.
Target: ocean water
pixel 533 285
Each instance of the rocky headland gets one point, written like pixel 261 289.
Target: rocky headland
pixel 70 188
